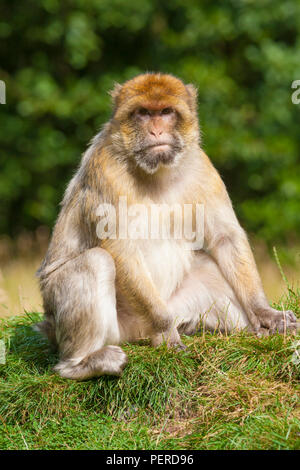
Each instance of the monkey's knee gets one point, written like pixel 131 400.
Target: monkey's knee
pixel 109 360
pixel 82 297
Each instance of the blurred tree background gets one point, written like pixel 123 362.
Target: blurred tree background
pixel 59 60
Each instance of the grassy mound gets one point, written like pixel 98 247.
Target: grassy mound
pixel 222 392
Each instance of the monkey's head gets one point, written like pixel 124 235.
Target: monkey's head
pixel 156 119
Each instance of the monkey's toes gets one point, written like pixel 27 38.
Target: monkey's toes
pixel 286 321
pixel 116 361
pixel 177 346
pixel 291 316
pixel 263 332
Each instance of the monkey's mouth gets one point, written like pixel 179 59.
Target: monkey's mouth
pixel 156 156
pixel 160 147
pixel 163 153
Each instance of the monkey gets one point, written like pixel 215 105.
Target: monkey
pixel 99 292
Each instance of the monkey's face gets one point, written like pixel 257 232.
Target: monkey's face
pixel 157 141
pixel 156 119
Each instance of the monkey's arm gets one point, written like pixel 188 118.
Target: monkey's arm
pixel 229 246
pixel 137 290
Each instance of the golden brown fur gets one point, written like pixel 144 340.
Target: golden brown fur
pixel 100 292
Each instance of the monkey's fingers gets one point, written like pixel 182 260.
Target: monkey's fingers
pixel 171 338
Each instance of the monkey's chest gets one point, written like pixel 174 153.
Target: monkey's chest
pixel 166 262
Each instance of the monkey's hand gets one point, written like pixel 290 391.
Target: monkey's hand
pixel 170 337
pixel 271 321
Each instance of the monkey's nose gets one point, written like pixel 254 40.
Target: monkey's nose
pixel 156 133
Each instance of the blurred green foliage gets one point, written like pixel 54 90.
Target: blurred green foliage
pixel 59 59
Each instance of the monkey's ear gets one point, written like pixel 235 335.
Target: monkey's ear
pixel 193 93
pixel 114 93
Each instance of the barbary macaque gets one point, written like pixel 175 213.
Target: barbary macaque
pixel 101 291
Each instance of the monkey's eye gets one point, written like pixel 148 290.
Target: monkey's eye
pixel 143 112
pixel 166 111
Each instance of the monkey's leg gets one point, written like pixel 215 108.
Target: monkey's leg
pixel 229 247
pixel 205 298
pixel 81 293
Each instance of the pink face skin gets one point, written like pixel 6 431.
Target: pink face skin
pixel 158 126
pixel 160 142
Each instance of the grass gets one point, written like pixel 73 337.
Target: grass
pixel 222 392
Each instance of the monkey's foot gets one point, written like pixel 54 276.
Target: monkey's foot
pixel 109 360
pixel 276 321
